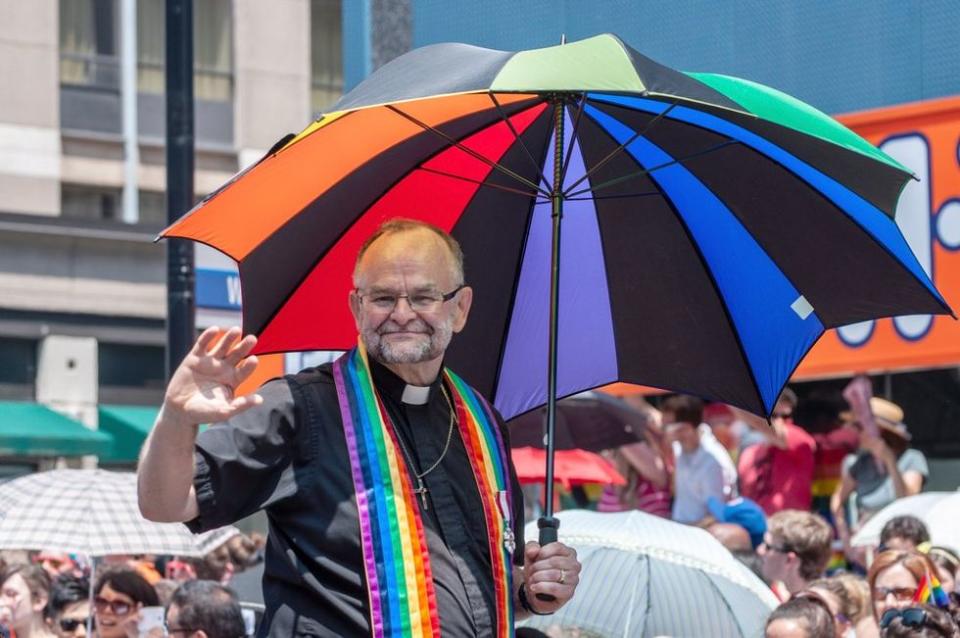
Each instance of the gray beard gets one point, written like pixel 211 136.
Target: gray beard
pixel 386 352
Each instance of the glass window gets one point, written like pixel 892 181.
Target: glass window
pixel 326 53
pixel 128 365
pixel 19 358
pixel 88 43
pixel 153 208
pixel 90 202
pixel 212 48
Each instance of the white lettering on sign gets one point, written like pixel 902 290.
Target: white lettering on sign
pixel 913 218
pixel 233 290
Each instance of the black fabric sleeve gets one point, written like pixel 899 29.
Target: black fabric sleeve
pixel 246 463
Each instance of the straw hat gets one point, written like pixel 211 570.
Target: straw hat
pixel 886 414
pixel 889 416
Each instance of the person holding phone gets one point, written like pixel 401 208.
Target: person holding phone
pixel 120 594
pixel 884 469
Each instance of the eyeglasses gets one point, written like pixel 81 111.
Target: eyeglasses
pixel 900 593
pixel 909 617
pixel 178 630
pixel 781 415
pixel 418 302
pixel 781 549
pixel 70 625
pixel 118 607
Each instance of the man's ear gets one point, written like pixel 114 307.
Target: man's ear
pixel 464 301
pixel 354 302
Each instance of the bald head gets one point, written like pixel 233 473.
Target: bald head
pixel 420 236
pixel 732 536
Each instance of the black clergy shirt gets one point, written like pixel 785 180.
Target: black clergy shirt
pixel 288 456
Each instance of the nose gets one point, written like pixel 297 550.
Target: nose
pixel 402 312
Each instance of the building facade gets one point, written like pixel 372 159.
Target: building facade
pixel 82 172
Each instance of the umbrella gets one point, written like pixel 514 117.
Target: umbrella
pixel 647 576
pixel 91 512
pixel 573 467
pixel 713 228
pixel 939 511
pixel 587 421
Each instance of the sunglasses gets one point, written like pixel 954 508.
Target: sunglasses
pixel 70 625
pixel 900 593
pixel 909 617
pixel 118 607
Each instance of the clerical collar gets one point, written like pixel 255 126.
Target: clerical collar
pixel 389 383
pixel 416 394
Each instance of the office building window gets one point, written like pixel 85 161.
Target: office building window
pixel 212 48
pixel 88 44
pixel 153 208
pixel 326 53
pixel 90 202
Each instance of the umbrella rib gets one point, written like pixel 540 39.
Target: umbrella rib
pixel 614 152
pixel 508 189
pixel 573 134
pixel 647 171
pixel 469 151
pixel 623 196
pixel 537 166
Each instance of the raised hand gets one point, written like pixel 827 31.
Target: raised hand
pixel 202 389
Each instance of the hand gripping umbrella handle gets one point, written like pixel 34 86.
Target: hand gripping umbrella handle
pixel 548 534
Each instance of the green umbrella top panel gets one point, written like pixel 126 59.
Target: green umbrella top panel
pixel 601 63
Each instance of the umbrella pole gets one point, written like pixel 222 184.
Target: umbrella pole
pixel 93 579
pixel 548 524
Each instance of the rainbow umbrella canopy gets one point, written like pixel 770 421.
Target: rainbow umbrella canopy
pixel 620 219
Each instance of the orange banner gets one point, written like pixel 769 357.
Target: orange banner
pixel 923 137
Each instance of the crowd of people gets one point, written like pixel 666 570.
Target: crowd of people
pixel 786 501
pixel 47 595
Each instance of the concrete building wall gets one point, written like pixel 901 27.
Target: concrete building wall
pixel 29 117
pixel 272 73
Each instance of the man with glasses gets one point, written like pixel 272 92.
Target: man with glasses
pixel 387 481
pixel 795 550
pixel 204 609
pixel 777 472
pixel 69 606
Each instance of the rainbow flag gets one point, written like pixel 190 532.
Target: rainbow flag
pixel 929 591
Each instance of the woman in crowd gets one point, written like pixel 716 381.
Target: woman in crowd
pixel 921 621
pixel 947 564
pixel 119 595
pixel 23 598
pixel 847 607
pixel 894 578
pixel 884 469
pixel 801 617
pixel 643 465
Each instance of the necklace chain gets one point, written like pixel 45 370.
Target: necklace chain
pixel 403 448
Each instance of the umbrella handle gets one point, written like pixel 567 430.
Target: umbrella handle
pixel 548 534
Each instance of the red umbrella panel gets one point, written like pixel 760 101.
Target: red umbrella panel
pixel 573 467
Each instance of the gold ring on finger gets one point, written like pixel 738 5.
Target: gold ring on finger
pixel 563 576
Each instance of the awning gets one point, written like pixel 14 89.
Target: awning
pixel 129 426
pixel 31 429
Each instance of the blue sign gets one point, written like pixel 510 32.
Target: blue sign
pixel 218 289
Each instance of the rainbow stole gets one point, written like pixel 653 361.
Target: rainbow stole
pixel 395 555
